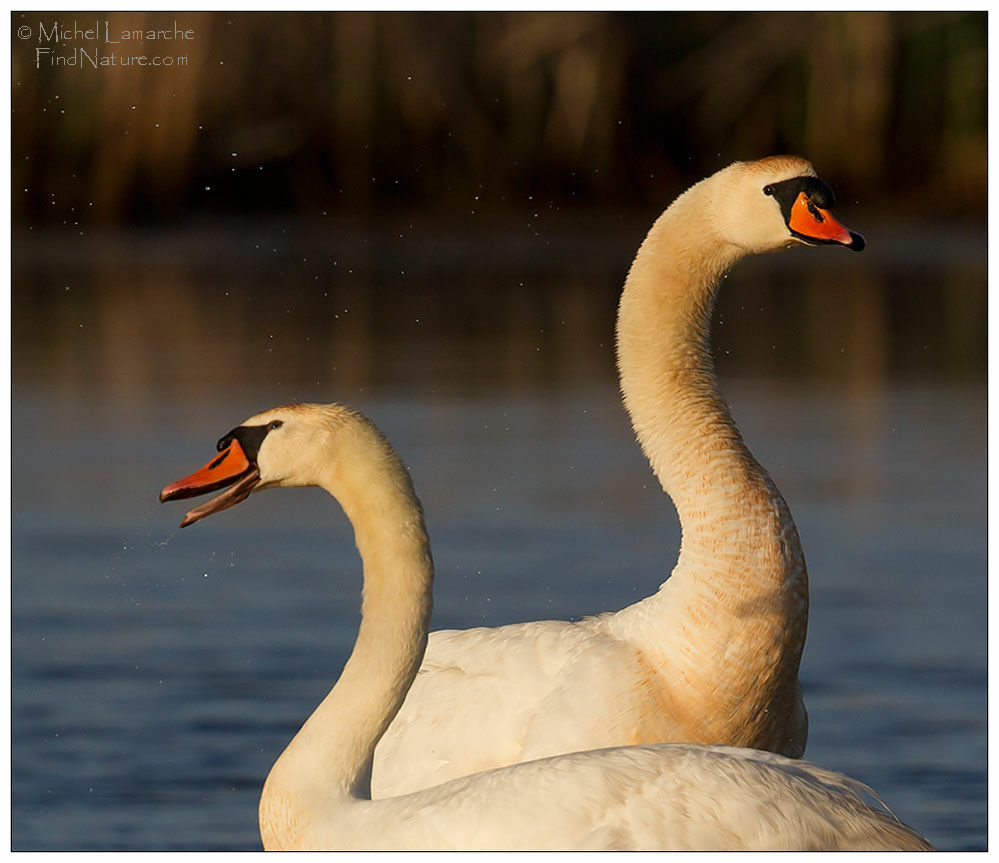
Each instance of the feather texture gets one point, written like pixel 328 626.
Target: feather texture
pixel 713 656
pixel 653 797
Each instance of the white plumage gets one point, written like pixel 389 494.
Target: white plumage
pixel 670 797
pixel 317 795
pixel 713 656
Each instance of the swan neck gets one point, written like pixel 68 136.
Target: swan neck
pixel 331 756
pixel 724 498
pixel 737 599
pixel 664 349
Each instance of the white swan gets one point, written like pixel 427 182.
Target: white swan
pixel 713 655
pixel 317 795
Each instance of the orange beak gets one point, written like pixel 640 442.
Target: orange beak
pixel 813 223
pixel 230 470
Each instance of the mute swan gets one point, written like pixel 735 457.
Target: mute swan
pixel 713 655
pixel 317 795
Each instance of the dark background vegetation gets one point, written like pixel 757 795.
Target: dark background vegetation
pixel 425 169
pixel 304 112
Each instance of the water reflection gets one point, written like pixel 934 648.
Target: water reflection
pixel 366 308
pixel 157 674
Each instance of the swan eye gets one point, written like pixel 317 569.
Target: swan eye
pixel 768 189
pixel 274 424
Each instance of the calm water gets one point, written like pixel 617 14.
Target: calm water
pixel 157 673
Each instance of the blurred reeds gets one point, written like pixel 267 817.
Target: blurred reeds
pixel 454 198
pixel 302 112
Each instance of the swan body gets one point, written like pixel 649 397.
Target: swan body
pixel 713 655
pixel 654 797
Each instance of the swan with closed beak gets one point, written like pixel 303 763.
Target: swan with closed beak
pixel 713 655
pixel 318 793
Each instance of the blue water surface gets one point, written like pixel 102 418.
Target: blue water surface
pixel 157 673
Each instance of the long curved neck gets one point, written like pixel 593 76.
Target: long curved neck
pixel 740 557
pixel 667 374
pixel 329 760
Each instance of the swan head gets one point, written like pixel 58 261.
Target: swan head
pixel 774 203
pixel 294 445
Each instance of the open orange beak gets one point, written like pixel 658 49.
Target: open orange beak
pixel 811 223
pixel 231 470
